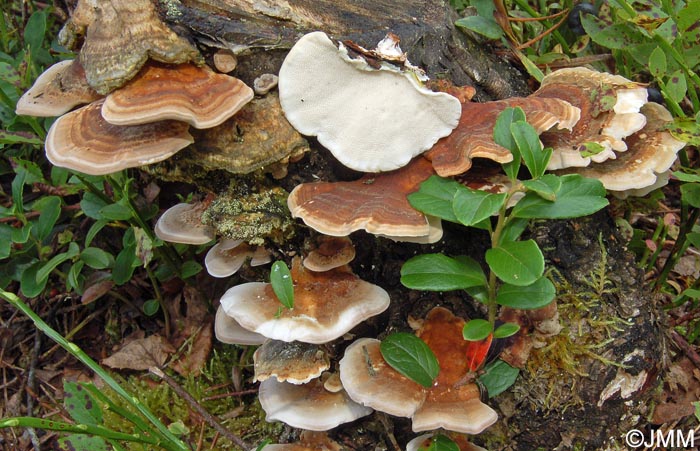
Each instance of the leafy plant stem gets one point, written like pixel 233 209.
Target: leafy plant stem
pixel 560 39
pixel 670 50
pixel 166 438
pixel 495 240
pixel 159 298
pixel 91 429
pixel 628 8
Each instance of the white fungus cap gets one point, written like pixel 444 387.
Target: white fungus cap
pixel 371 120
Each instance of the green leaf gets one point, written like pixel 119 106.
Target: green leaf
pixel 685 129
pixel 577 196
pixel 124 265
pixel 74 280
pixel 94 230
pixel 546 186
pixel 18 137
pixel 151 307
pixel 690 194
pixel 188 269
pixel 677 87
pixel 35 30
pixel 97 258
pixel 21 235
pixel 437 272
pixel 498 376
pixel 116 212
pixel 434 197
pixel 56 260
pixel 91 205
pixel 589 149
pixel 516 262
pixel 440 443
pixel 50 208
pixel 617 36
pixel 504 137
pixel 528 142
pixel 536 295
pixel 473 206
pixel 282 283
pixel 506 330
pixel 657 63
pixel 410 356
pixel 481 25
pixel 81 442
pixel 80 404
pixel 479 293
pixel 29 285
pixel 476 329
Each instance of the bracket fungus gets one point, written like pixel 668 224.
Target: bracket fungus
pixel 183 92
pixel 58 90
pixel 83 141
pixel 227 330
pixel 452 402
pixel 326 305
pixel 308 406
pixel 182 223
pixel 120 36
pixel 294 362
pixel 308 441
pixel 226 257
pixel 329 252
pixel 372 119
pixel 376 203
pixel 473 137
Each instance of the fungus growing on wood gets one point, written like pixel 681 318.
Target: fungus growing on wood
pixel 265 83
pixel 295 362
pixel 226 257
pixel 330 252
pixel 473 137
pixel 58 90
pixel 227 330
pixel 609 113
pixel 183 92
pixel 308 406
pixel 83 141
pixel 651 151
pixel 326 305
pixel 120 35
pixel 452 402
pixel 182 223
pixel 308 441
pixel 225 61
pixel 371 118
pixel 376 203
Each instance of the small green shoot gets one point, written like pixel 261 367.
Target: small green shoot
pixel 440 443
pixel 410 356
pixel 282 283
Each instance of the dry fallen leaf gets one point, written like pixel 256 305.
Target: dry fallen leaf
pixel 141 354
pixel 193 328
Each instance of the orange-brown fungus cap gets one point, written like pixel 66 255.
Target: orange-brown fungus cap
pixel 326 305
pixel 308 441
pixel 295 362
pixel 60 88
pixel 452 402
pixel 184 92
pixel 376 203
pixel 330 252
pixel 473 137
pixel 83 141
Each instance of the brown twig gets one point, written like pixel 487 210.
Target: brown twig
pixel 229 394
pixel 209 418
pixel 686 347
pixel 537 38
pixel 537 19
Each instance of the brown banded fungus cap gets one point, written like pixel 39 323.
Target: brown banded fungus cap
pixel 227 330
pixel 376 203
pixel 326 305
pixel 609 113
pixel 182 223
pixel 309 406
pixel 226 257
pixel 308 441
pixel 651 152
pixel 294 362
pixel 473 137
pixel 184 92
pixel 120 35
pixel 371 119
pixel 330 252
pixel 58 90
pixel 83 141
pixel 451 402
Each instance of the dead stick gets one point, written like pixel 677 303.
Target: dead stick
pixel 209 418
pixel 686 348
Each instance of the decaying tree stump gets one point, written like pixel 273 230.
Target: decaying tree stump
pixel 587 385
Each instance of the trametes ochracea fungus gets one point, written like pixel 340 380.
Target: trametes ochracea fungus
pixel 452 402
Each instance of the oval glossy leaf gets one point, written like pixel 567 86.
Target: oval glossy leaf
pixel 437 272
pixel 434 197
pixel 690 194
pixel 43 273
pixel 513 229
pixel 503 137
pixel 410 356
pixel 150 307
pixel 506 330
pixel 472 206
pixel 476 330
pixel 657 63
pixel 96 258
pixel 82 442
pixel 50 208
pixel 482 25
pixel 80 404
pixel 440 443
pixel 497 377
pixel 677 87
pixel 282 283
pixel 577 196
pixel 516 262
pixel 528 141
pixel 536 295
pixel 115 212
pixel 546 186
